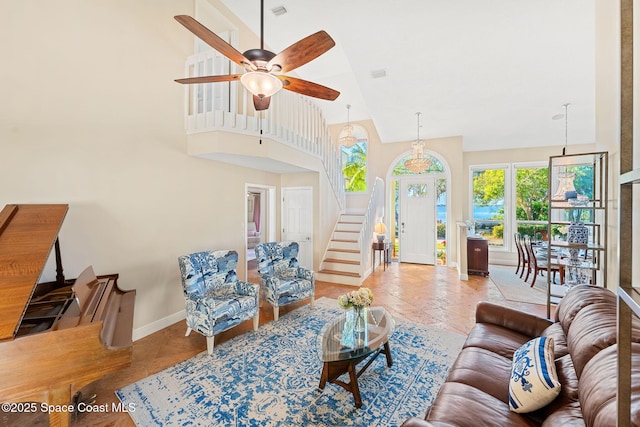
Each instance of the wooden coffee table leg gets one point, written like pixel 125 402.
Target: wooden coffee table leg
pixel 332 370
pixel 387 353
pixel 353 385
pixel 325 375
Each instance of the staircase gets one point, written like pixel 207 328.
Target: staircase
pixel 342 260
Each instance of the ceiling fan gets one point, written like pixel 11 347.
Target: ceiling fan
pixel 263 69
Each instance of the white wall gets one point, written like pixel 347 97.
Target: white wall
pixel 91 116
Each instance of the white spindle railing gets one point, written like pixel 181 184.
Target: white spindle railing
pixel 374 210
pixel 292 119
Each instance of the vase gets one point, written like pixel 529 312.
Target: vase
pixel 360 326
pixel 577 233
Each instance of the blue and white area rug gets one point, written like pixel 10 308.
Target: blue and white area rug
pixel 270 378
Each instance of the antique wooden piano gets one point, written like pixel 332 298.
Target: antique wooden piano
pixel 60 336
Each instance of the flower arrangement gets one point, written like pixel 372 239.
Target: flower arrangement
pixel 362 297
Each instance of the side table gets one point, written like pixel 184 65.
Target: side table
pixel 384 248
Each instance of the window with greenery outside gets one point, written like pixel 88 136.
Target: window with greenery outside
pixel 531 202
pixel 532 206
pixel 488 204
pixel 354 167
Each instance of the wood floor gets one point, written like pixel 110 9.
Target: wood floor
pixel 424 294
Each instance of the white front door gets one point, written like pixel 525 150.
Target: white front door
pixel 297 221
pixel 417 228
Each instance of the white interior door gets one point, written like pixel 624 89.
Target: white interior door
pixel 297 221
pixel 418 220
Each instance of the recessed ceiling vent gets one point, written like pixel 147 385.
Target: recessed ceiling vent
pixel 378 74
pixel 279 10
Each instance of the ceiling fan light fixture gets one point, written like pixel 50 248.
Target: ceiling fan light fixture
pixel 261 83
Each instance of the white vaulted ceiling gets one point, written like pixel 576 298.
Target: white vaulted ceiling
pixel 492 71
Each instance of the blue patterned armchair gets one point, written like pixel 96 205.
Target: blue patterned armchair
pixel 215 299
pixel 282 280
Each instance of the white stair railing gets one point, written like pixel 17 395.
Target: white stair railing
pixel 374 210
pixel 293 120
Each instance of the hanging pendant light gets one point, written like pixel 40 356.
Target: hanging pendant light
pixel 566 189
pixel 347 138
pixel 417 163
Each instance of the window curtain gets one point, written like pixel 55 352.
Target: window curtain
pixel 256 210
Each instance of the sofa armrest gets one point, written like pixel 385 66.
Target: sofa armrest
pixel 419 422
pixel 525 323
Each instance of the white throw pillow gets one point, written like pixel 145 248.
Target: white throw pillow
pixel 534 381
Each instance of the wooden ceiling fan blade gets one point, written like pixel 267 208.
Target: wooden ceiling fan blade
pixel 213 40
pixel 302 52
pixel 210 79
pixel 305 87
pixel 261 103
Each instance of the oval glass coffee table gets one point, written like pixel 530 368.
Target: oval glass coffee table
pixel 341 347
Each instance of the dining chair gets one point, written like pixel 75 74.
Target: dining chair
pixel 538 264
pixel 522 260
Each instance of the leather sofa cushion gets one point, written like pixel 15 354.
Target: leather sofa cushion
pixel 598 387
pixel 497 339
pixel 565 409
pixel 492 379
pixel 593 329
pixel 464 405
pixel 578 298
pixel 559 339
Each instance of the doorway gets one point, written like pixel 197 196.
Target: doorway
pixel 422 201
pixel 297 221
pixel 260 224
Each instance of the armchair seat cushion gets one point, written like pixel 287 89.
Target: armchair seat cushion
pixel 282 280
pixel 293 289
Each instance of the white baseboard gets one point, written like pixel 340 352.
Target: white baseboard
pixel 158 324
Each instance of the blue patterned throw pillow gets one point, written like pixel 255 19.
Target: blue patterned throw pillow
pixel 534 381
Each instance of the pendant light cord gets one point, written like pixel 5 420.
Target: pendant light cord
pixel 566 128
pixel 262 24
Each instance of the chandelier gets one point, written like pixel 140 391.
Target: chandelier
pixel 347 137
pixel 417 163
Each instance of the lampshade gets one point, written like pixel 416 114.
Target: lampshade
pixel 261 83
pixel 566 190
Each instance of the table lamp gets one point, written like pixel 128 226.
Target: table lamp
pixel 380 230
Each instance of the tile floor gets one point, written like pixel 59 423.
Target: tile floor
pixel 424 294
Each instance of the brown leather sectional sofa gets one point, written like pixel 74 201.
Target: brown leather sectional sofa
pixel 475 392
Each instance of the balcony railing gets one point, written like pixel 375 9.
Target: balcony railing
pixel 293 120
